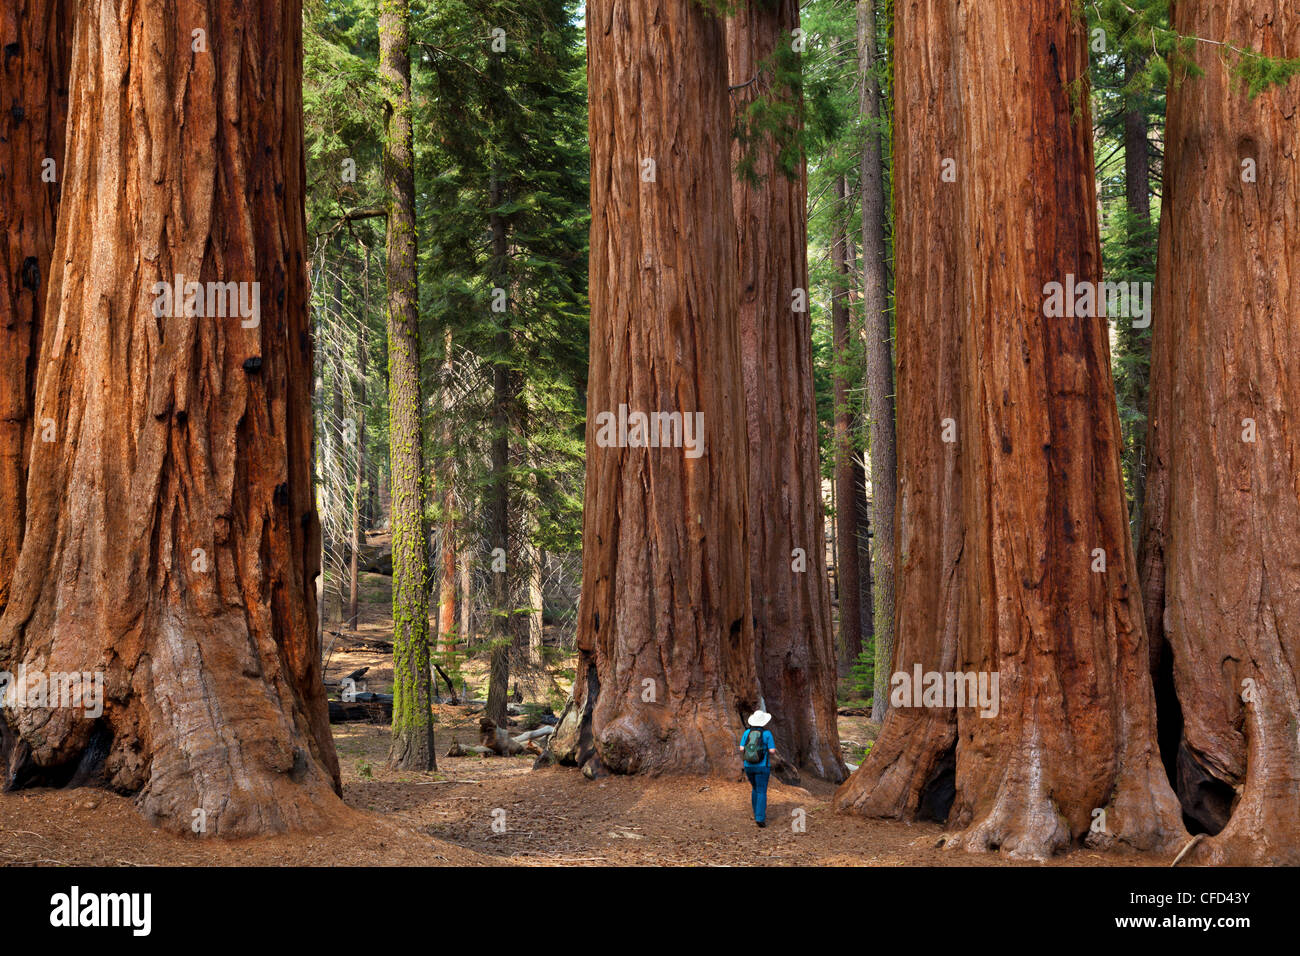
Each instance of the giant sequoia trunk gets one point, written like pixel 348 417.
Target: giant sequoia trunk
pixel 172 540
pixel 412 745
pixel 665 636
pixel 35 40
pixel 1040 551
pixel 794 645
pixel 1222 516
pixel 1050 600
pixel 909 772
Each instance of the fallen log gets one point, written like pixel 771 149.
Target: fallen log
pixel 498 741
pixel 456 750
pixel 354 641
pixel 374 710
pixel 533 734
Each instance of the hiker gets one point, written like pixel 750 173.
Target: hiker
pixel 757 746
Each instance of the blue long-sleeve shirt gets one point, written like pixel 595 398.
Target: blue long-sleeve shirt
pixel 769 744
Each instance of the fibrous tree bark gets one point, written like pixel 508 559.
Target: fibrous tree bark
pixel 412 746
pixel 1222 514
pixel 882 448
pixel 1050 600
pixel 172 541
pixel 665 636
pixel 909 772
pixel 35 49
pixel 1040 551
pixel 794 645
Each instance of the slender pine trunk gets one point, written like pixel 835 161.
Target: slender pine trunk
pixel 412 746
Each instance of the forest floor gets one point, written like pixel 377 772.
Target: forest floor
pixel 547 817
pixel 552 817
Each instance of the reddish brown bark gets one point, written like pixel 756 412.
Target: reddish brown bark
pixel 447 566
pixel 1039 477
pixel 665 637
pixel 35 48
pixel 1042 491
pixel 793 641
pixel 172 540
pixel 909 770
pixel 1222 513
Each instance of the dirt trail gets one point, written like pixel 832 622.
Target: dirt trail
pixel 552 817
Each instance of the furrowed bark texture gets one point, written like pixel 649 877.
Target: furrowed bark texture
pixel 1042 489
pixel 35 49
pixel 665 637
pixel 909 770
pixel 1221 582
pixel 412 744
pixel 172 540
pixel 794 645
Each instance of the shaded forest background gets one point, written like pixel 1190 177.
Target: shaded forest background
pixel 500 134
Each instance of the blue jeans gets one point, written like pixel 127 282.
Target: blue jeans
pixel 758 781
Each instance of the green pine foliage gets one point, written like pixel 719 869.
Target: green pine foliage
pixel 1127 77
pixel 507 123
pixel 501 94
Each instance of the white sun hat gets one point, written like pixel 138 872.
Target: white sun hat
pixel 759 719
